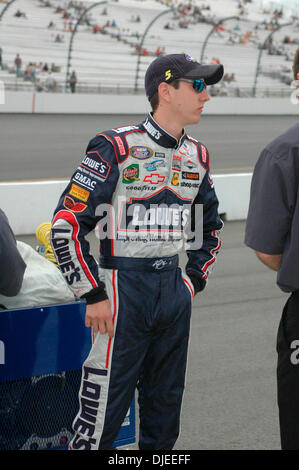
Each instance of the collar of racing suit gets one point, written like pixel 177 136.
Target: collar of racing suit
pixel 159 135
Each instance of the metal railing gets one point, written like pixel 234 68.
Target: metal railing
pixel 130 89
pixel 121 88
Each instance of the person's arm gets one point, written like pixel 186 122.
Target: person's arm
pixel 91 186
pixel 271 261
pixel 11 262
pixel 201 260
pixel 271 207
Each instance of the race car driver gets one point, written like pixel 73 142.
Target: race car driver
pixel 141 186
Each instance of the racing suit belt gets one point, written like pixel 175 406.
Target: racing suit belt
pixel 166 263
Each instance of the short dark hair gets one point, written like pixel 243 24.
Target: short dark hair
pixel 154 102
pixel 296 64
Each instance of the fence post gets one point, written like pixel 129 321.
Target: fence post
pixel 142 41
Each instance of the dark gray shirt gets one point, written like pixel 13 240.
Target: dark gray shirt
pixel 12 266
pixel 273 217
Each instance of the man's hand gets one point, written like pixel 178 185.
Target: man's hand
pixel 99 317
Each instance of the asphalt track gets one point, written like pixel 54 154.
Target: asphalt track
pixel 230 395
pixel 40 146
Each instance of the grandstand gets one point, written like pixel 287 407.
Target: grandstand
pixel 104 51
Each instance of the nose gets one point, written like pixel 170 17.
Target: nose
pixel 204 95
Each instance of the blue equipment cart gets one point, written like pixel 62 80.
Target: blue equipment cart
pixel 42 350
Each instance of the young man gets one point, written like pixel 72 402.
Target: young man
pixel 141 183
pixel 272 230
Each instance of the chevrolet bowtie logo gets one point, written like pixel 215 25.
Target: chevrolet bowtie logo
pixel 154 178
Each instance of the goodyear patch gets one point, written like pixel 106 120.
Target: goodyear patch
pixel 79 193
pixel 140 152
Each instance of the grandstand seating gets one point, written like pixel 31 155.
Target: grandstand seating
pixel 108 61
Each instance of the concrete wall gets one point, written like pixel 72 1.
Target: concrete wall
pixel 27 102
pixel 27 204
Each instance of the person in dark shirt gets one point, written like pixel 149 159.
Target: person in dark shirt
pixel 272 230
pixel 12 264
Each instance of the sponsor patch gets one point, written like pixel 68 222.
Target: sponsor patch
pixel 151 130
pixel 175 179
pixel 203 153
pixel 73 206
pixel 140 152
pixel 120 144
pixel 176 163
pixel 159 155
pixel 79 193
pixel 186 150
pixel 95 163
pixel 86 181
pixel 131 173
pixel 189 58
pixel 186 175
pixel 152 166
pixel 189 164
pixel 119 130
pixel 168 74
pixel 154 178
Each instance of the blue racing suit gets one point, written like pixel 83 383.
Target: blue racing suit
pixel 140 188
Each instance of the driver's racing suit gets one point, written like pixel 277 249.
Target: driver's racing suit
pixel 143 187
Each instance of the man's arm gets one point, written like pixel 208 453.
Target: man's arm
pixel 91 186
pixel 270 209
pixel 271 261
pixel 201 261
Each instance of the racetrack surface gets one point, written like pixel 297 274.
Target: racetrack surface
pixel 230 395
pixel 41 146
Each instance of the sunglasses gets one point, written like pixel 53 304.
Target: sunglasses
pixel 198 85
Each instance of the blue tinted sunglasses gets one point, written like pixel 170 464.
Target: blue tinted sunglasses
pixel 198 85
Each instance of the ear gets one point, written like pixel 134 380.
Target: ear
pixel 163 90
pixel 298 76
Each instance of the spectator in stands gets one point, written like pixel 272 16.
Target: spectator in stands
pixel 20 14
pixel 73 81
pixel 11 262
pixel 272 231
pixel 55 68
pixel 58 38
pixel 50 82
pixel 38 85
pixel 18 64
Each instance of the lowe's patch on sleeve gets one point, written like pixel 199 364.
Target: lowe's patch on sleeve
pixel 96 165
